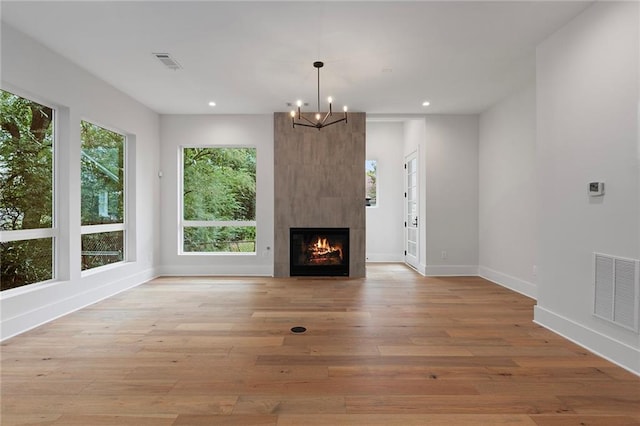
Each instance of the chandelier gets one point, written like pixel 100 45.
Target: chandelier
pixel 320 121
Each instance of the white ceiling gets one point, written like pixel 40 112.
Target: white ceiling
pixel 253 57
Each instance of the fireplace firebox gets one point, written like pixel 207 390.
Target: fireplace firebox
pixel 319 252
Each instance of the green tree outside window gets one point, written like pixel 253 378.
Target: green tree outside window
pixel 26 190
pixel 219 199
pixel 102 177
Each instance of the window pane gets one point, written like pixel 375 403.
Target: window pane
pixel 371 182
pixel 26 262
pixel 234 239
pixel 219 184
pixel 102 249
pixel 26 164
pixel 102 175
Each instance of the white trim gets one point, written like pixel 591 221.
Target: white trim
pixel 28 320
pixel 130 196
pixel 106 127
pixel 27 234
pixel 604 346
pixel 110 227
pixel 450 270
pixel 53 231
pixel 182 223
pixel 219 253
pixel 377 191
pixel 414 155
pixel 512 283
pixel 385 257
pixel 27 288
pixel 102 228
pixel 419 269
pixel 56 202
pixel 217 270
pixel 98 269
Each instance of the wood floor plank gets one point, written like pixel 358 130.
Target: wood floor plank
pixel 424 350
pixel 289 405
pixel 394 348
pixel 235 420
pixel 582 420
pixel 404 420
pixel 29 419
pixel 450 404
pixel 114 420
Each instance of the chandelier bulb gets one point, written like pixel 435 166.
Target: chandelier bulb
pixel 344 108
pixel 293 113
pixel 299 103
pixel 330 99
pixel 318 116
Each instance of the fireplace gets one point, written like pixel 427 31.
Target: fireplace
pixel 319 252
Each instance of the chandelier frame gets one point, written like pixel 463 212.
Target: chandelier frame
pixel 320 121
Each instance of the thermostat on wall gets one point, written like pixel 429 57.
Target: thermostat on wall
pixel 596 189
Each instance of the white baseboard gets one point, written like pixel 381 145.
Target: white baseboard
pixel 606 347
pixel 218 270
pixel 450 270
pixel 27 319
pixel 384 258
pixel 512 283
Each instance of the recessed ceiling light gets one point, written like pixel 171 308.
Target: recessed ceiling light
pixel 426 103
pixel 212 103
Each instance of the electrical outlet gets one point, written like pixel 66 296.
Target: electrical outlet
pixel 443 255
pixel 535 270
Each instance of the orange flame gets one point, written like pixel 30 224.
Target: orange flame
pixel 322 246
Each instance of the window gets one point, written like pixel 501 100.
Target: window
pixel 371 182
pixel 27 244
pixel 102 204
pixel 219 200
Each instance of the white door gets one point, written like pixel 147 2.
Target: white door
pixel 411 211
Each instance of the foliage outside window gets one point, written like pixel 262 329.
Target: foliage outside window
pixel 219 200
pixel 26 192
pixel 102 196
pixel 371 183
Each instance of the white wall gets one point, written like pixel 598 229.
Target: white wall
pixel 587 108
pixel 31 70
pixel 507 207
pixel 447 148
pixel 385 241
pixel 451 188
pixel 246 130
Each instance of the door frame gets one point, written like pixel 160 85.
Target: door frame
pixel 411 218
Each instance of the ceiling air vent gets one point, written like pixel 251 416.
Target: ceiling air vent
pixel 168 61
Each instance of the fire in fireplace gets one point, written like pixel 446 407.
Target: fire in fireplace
pixel 319 252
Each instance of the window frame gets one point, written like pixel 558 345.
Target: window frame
pixel 110 227
pixel 375 161
pixel 183 223
pixel 7 236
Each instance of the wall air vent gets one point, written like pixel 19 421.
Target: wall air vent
pixel 617 290
pixel 168 61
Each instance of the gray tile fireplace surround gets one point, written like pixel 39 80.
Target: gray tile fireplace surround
pixel 319 183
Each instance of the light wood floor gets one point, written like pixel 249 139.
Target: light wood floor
pixel 392 349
